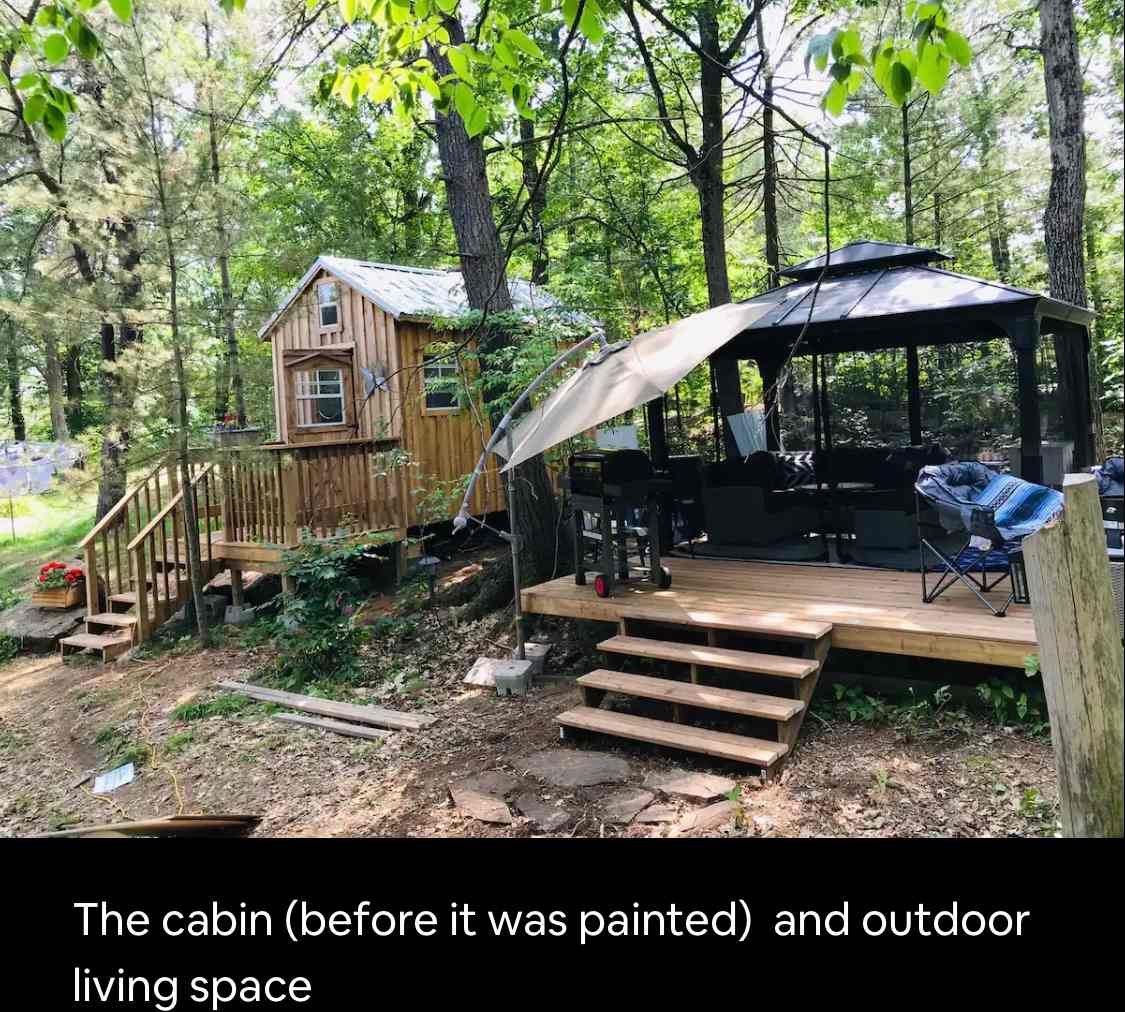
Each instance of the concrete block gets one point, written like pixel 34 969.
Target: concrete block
pixel 537 654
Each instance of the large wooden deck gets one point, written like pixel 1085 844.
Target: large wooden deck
pixel 872 610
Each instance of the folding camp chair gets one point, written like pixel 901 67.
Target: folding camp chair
pixel 995 513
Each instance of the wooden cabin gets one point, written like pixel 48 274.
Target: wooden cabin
pixel 372 436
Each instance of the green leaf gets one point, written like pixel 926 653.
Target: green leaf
pixel 27 81
pixel 570 11
pixel 447 6
pixel 476 123
pixel 591 23
pixel 422 9
pixel 901 81
pixel 835 98
pixel 34 108
pixel 459 61
pixel 465 101
pixel 348 10
pixel 933 69
pixel 122 8
pixel 56 48
pixel 55 123
pixel 522 41
pixel 958 47
pixel 504 52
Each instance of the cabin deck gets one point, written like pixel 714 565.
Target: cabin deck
pixel 872 610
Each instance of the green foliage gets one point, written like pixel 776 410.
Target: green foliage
pixel 220 706
pixel 895 64
pixel 9 646
pixel 315 633
pixel 120 747
pixel 1013 704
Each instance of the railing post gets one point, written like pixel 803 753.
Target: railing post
pixel 144 624
pixel 92 578
pixel 1081 661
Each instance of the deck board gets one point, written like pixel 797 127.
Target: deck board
pixel 873 610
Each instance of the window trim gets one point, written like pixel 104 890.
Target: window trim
pixel 427 408
pixel 321 306
pixel 298 396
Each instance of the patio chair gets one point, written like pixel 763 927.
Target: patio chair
pixel 995 512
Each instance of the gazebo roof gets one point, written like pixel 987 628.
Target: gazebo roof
pixel 863 255
pixel 880 295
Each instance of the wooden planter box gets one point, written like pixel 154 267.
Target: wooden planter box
pixel 60 597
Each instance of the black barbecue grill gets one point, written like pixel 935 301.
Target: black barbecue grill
pixel 614 485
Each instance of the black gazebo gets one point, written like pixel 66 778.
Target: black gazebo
pixel 877 295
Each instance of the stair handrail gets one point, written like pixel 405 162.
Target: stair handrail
pixel 168 508
pixel 120 505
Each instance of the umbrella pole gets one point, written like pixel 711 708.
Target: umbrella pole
pixel 521 653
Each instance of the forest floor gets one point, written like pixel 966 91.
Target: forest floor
pixel 911 771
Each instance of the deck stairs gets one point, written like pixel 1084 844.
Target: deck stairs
pixel 746 672
pixel 137 573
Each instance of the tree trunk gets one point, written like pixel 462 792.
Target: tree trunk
pixel 233 367
pixel 998 240
pixel 72 368
pixel 56 396
pixel 769 166
pixel 1066 204
pixel 483 266
pixel 115 438
pixel 707 175
pixel 907 178
pixel 538 204
pixel 15 392
pixel 1098 336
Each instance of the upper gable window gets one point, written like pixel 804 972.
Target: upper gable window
pixel 328 298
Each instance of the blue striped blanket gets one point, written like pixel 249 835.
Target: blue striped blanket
pixel 970 497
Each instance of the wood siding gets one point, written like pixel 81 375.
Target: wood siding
pixel 372 333
pixel 442 447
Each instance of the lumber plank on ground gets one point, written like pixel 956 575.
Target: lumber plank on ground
pixel 377 716
pixel 328 724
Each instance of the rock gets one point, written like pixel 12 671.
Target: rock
pixel 499 785
pixel 507 677
pixel 563 768
pixel 257 588
pixel 238 616
pixel 479 805
pixel 708 818
pixel 39 630
pixel 704 786
pixel 763 823
pixel 657 813
pixel 548 818
pixel 621 806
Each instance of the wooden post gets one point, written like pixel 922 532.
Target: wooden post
pixel 768 368
pixel 1080 658
pixel 914 394
pixel 237 596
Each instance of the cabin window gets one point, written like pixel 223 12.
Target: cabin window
pixel 320 397
pixel 328 296
pixel 439 373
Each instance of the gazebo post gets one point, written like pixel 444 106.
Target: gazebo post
pixel 913 394
pixel 1085 449
pixel 657 432
pixel 1025 340
pixel 768 368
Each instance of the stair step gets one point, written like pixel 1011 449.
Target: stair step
pixel 750 622
pixel 681 736
pixel 110 645
pixel 114 618
pixel 710 657
pixel 130 597
pixel 708 697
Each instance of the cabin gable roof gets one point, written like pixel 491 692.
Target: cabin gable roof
pixel 412 293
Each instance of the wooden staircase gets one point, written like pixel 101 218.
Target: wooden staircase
pixel 137 572
pixel 772 697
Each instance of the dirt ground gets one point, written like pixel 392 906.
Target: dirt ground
pixel 950 776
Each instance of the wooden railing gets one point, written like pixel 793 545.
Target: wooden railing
pixel 346 487
pixel 254 502
pixel 105 547
pixel 160 548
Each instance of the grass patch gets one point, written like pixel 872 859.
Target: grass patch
pixel 120 747
pixel 220 706
pixel 176 743
pixel 49 526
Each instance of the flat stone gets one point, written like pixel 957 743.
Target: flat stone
pixel 480 805
pixel 621 806
pixel 710 817
pixel 38 630
pixel 704 786
pixel 657 813
pixel 548 818
pixel 564 768
pixel 499 785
